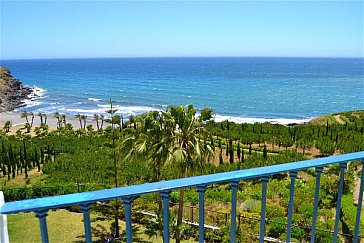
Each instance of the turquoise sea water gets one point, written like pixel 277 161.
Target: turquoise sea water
pixel 239 89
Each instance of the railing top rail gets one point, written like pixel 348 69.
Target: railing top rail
pixel 136 190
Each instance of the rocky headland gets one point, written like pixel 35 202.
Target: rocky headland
pixel 12 91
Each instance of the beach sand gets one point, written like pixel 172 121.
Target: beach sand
pixel 18 122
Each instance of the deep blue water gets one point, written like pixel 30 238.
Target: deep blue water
pixel 290 88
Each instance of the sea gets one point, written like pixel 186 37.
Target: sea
pixel 247 89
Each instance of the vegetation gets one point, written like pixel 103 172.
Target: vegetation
pixel 176 143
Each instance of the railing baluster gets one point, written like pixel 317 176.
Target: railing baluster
pixel 315 207
pixel 85 208
pixel 292 175
pixel 360 202
pixel 41 215
pixel 338 205
pixel 127 208
pixel 234 190
pixel 264 180
pixel 201 212
pixel 165 197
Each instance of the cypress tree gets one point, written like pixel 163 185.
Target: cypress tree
pixel 21 160
pixel 265 154
pixel 242 155
pixel 227 150
pixel 33 159
pixel 25 161
pixel 250 149
pixel 221 159
pixel 36 158
pixel 41 156
pixel 12 161
pixel 231 151
pixel 9 166
pixel 238 151
pixel 3 152
pixel 231 154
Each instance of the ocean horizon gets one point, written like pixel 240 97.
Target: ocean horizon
pixel 241 89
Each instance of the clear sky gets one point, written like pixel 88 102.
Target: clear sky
pixel 67 29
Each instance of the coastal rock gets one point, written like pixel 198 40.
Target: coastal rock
pixel 12 91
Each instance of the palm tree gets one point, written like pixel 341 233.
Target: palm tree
pixel 173 136
pixel 31 123
pixel 97 118
pixel 27 127
pixel 84 119
pixel 102 118
pixel 78 116
pixel 45 119
pixel 187 151
pixel 7 126
pixel 25 114
pixel 63 118
pixel 41 117
pixel 56 115
pixel 132 121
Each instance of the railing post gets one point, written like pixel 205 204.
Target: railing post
pixel 360 202
pixel 41 215
pixel 234 188
pixel 127 201
pixel 338 204
pixel 264 180
pixel 292 175
pixel 315 207
pixel 201 212
pixel 165 198
pixel 4 236
pixel 85 208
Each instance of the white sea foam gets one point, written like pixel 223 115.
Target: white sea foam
pixel 94 99
pixel 37 93
pixel 33 98
pixel 282 121
pixel 125 111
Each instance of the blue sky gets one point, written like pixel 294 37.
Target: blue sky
pixel 67 29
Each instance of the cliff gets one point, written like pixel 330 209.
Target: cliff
pixel 12 91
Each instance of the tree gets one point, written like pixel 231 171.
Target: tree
pixel 238 151
pixel 304 144
pixel 57 116
pixel 84 120
pixel 25 114
pixel 186 150
pixel 41 117
pixel 63 118
pixel 102 118
pixel 7 126
pixel 231 151
pixel 265 153
pixel 79 117
pixel 112 111
pixel 32 115
pixel 97 118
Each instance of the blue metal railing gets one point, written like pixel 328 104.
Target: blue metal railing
pixel 127 194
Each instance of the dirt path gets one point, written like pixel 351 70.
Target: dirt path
pixel 339 120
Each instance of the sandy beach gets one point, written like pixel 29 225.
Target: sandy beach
pixel 18 122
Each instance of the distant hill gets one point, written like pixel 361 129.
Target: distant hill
pixel 347 117
pixel 12 91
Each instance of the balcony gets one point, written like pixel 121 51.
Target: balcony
pixel 127 194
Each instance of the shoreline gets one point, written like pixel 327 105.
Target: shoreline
pixel 18 122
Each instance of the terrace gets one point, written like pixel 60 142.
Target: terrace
pixel 40 206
